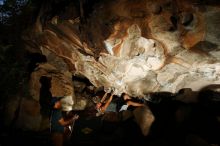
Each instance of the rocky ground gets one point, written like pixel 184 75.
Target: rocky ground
pixel 176 123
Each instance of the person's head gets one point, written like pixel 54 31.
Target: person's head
pixel 125 96
pixel 56 103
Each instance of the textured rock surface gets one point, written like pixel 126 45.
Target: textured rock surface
pixel 136 47
pixel 144 119
pixel 61 84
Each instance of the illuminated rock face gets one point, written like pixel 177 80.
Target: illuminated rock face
pixel 138 47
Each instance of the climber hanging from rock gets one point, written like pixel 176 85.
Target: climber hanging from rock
pixel 119 105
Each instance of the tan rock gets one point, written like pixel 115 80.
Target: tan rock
pixel 144 119
pixel 135 47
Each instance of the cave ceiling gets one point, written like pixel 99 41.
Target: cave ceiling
pixel 136 47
